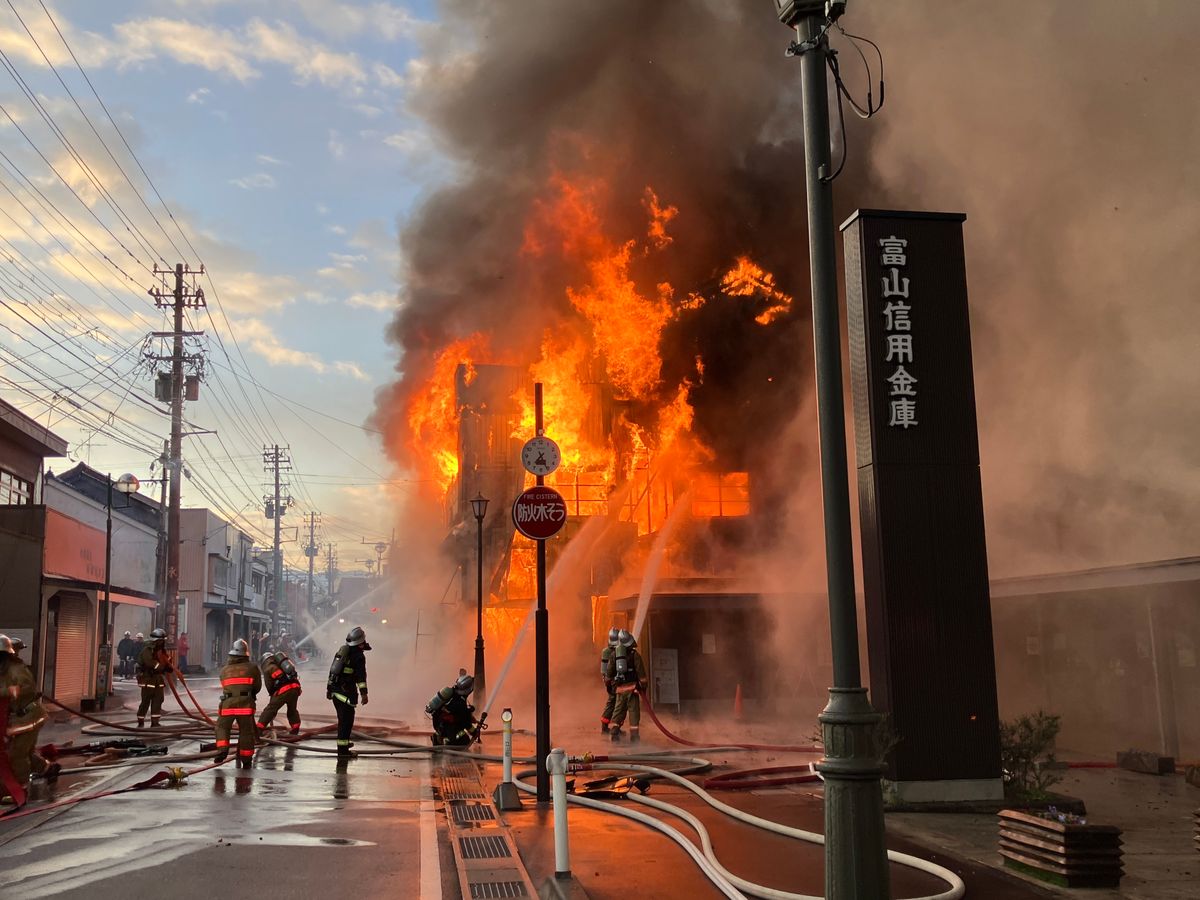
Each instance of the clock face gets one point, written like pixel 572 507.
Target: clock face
pixel 540 456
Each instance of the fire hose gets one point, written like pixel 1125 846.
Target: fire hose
pixel 729 884
pixel 782 748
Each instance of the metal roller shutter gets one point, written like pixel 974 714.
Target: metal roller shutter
pixel 71 659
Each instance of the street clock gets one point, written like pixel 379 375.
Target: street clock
pixel 540 456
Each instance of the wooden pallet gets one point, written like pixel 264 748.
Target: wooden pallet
pixel 1066 854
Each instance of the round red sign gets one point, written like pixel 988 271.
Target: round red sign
pixel 539 513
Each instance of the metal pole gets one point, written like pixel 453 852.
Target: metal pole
pixel 106 608
pixel 507 778
pixel 855 856
pixel 556 762
pixel 480 677
pixel 542 635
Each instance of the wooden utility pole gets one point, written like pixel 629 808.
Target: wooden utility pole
pixel 178 299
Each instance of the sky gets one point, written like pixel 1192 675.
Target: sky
pixel 268 141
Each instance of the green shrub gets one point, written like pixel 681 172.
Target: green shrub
pixel 1026 745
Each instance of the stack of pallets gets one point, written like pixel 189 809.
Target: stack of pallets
pixel 1069 854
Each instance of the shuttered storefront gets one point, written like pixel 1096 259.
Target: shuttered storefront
pixel 71 656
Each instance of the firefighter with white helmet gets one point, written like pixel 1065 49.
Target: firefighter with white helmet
pixel 240 683
pixel 283 685
pixel 605 656
pixel 453 717
pixel 153 664
pixel 347 681
pixel 628 673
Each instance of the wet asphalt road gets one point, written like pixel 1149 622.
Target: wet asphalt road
pixel 298 823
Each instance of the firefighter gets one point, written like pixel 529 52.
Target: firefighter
pixel 152 665
pixel 348 679
pixel 628 673
pixel 605 656
pixel 22 720
pixel 39 764
pixel 453 717
pixel 240 683
pixel 283 686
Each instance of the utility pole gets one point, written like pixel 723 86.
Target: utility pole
pixel 277 460
pixel 311 550
pixel 160 553
pixel 856 866
pixel 330 571
pixel 178 299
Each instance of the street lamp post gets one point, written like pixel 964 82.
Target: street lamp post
pixel 126 484
pixel 855 855
pixel 479 506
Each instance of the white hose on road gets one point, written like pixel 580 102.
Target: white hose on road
pixel 725 880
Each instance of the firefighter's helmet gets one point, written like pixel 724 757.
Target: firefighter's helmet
pixel 356 637
pixel 18 645
pixel 626 639
pixel 614 635
pixel 239 648
pixel 127 634
pixel 464 685
pixel 158 635
pixel 139 637
pixel 266 659
pixel 6 644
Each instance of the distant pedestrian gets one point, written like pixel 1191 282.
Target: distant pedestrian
pixel 125 655
pixel 255 643
pixel 139 641
pixel 181 651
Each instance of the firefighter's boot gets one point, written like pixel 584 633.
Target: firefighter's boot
pixel 141 722
pixel 604 726
pixel 635 735
pixel 153 723
pixel 616 734
pixel 345 752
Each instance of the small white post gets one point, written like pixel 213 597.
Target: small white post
pixel 507 746
pixel 556 765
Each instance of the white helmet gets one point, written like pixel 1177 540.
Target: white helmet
pixel 626 639
pixel 614 635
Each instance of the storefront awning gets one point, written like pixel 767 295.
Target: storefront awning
pixel 131 600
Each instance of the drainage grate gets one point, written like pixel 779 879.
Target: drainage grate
pixel 483 847
pixel 461 789
pixel 459 771
pixel 471 812
pixel 498 889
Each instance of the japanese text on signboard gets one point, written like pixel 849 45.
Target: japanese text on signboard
pixel 902 392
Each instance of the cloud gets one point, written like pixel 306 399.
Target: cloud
pixel 382 301
pixel 366 109
pixel 257 181
pixel 337 148
pixel 336 229
pixel 199 95
pixel 263 340
pixel 387 76
pixel 309 60
pixel 215 49
pixel 265 160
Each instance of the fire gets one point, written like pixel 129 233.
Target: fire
pixel 433 412
pixel 746 279
pixel 625 433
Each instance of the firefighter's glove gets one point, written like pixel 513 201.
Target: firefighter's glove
pixel 364 698
pixel 328 695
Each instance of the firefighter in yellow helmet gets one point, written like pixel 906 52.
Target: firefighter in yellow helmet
pixel 283 685
pixel 22 719
pixel 152 666
pixel 628 673
pixel 240 683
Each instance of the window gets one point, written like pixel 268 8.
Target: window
pixel 721 495
pixel 14 490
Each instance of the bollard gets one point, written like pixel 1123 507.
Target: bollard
pixel 506 796
pixel 556 766
pixel 506 716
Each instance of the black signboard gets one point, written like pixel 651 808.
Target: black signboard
pixel 928 611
